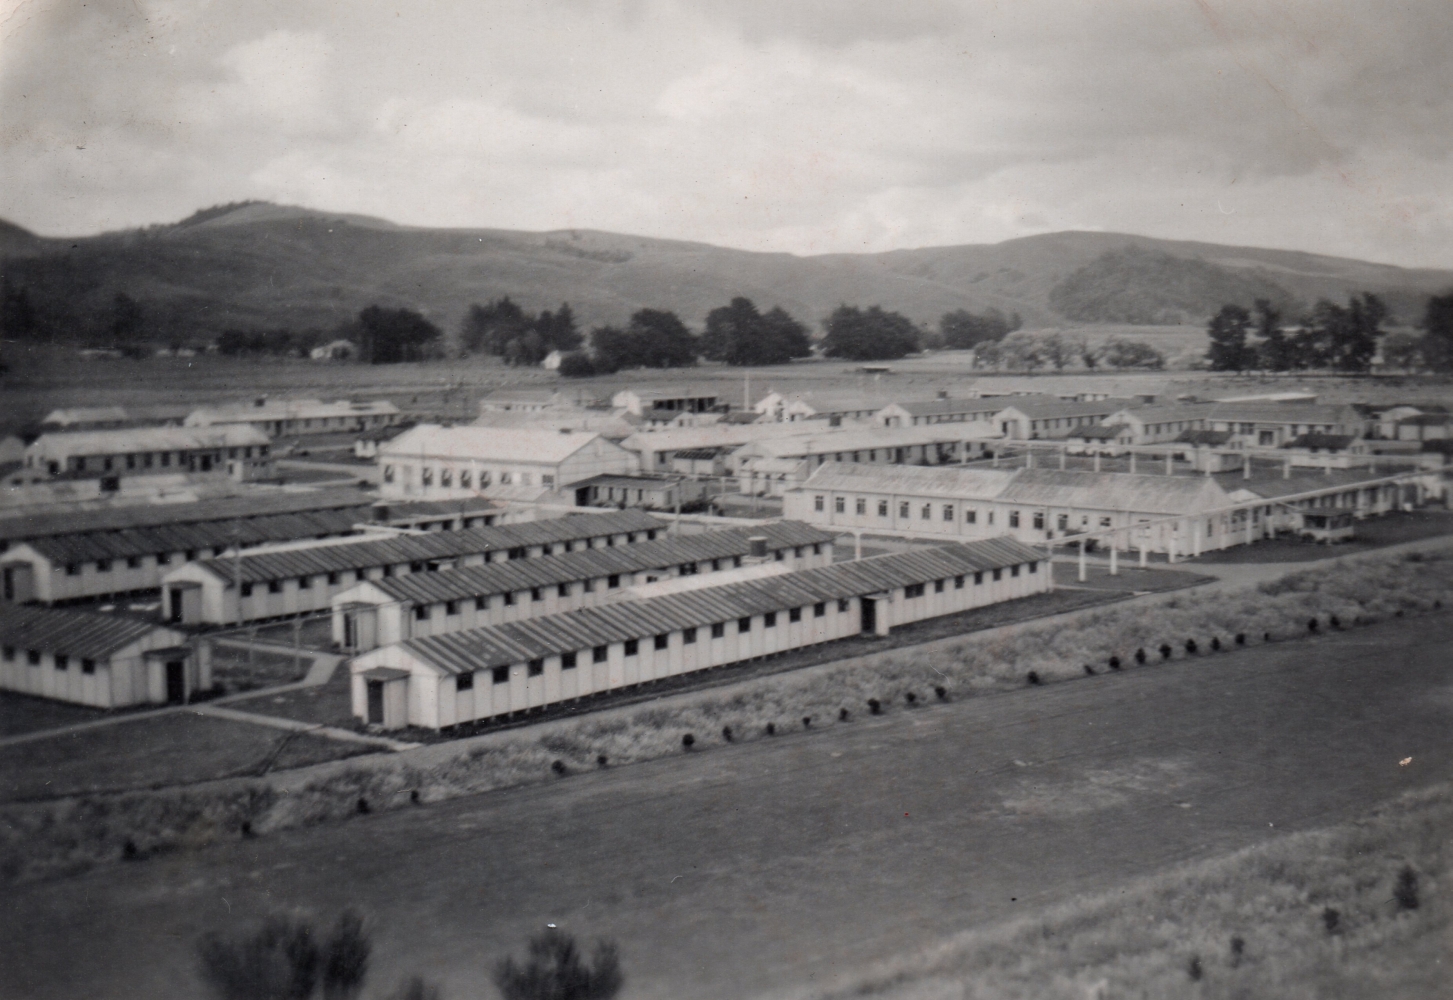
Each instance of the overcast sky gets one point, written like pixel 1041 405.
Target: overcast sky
pixel 785 125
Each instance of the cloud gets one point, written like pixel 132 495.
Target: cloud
pixel 797 125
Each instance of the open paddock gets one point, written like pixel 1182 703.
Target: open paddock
pixel 22 713
pixel 178 748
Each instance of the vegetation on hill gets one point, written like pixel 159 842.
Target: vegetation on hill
pixel 654 338
pixel 505 330
pixel 1341 338
pixel 1136 285
pixel 1436 347
pixel 871 334
pixel 962 329
pixel 740 335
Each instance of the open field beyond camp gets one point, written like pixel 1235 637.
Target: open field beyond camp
pixel 803 861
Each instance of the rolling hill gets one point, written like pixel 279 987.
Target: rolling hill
pixel 261 265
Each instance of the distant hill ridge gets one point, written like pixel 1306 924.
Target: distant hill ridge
pixel 257 265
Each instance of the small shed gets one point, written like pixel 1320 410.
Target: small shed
pixel 102 660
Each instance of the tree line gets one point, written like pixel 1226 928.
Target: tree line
pixel 1330 336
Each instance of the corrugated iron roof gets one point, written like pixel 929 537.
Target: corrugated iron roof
pixel 319 559
pixel 142 439
pixel 516 642
pixel 197 537
pixel 549 571
pixel 146 515
pixel 73 633
pixel 1283 413
pixel 1114 491
pixel 490 444
pixel 1273 484
pixel 925 480
pixel 945 407
pixel 1044 408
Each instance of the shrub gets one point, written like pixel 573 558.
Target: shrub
pixel 726 733
pixel 1331 919
pixel 688 741
pixel 1193 968
pixel 556 970
pixel 1405 892
pixel 1334 621
pixel 558 766
pixel 940 692
pixel 1033 677
pixel 577 364
pixel 1240 638
pixel 280 960
pixel 911 698
pixel 1140 657
pixel 362 806
pixel 1311 625
pixel 1089 670
pixel 601 760
pixel 807 722
pixel 875 706
pixel 413 796
pixel 345 958
pixel 843 715
pixel 1114 662
pixel 1238 951
pixel 1215 644
pixel 1266 637
pixel 1165 651
pixel 1191 647
pixel 771 729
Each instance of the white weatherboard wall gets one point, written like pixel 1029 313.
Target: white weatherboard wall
pixel 126 677
pixel 396 621
pixel 436 698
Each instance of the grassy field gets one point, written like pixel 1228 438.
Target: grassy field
pixel 21 713
pixel 238 670
pixel 45 378
pixel 1313 915
pixel 172 749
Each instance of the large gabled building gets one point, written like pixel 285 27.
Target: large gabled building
pixel 237 450
pixel 436 462
pixel 292 417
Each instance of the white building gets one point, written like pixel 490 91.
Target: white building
pixel 437 462
pixel 666 404
pixel 289 417
pixel 495 671
pixel 235 450
pixel 1272 425
pixel 932 444
pixel 1158 424
pixel 1033 418
pixel 834 407
pixel 383 611
pixel 941 410
pixel 106 661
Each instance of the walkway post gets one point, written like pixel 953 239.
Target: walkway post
pixel 1097 461
pixel 1132 461
pixel 857 545
pixel 1114 553
pixel 1144 561
pixel 298 643
pixel 1062 453
pixel 1082 560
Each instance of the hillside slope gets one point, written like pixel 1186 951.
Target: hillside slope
pixel 258 265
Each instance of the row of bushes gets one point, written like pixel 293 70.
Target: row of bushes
pixel 40 839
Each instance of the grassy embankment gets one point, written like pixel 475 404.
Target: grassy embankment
pixel 1317 914
pixel 47 839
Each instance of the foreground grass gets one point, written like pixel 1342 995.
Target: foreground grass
pixel 1311 915
pixel 55 838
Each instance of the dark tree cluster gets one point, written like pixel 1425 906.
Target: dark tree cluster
pixel 870 334
pixel 503 329
pixel 962 329
pixel 1437 340
pixel 654 338
pixel 1341 338
pixel 280 343
pixel 740 335
pixel 388 336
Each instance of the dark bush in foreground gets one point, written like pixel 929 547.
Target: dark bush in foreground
pixel 277 962
pixel 345 958
pixel 1033 677
pixel 1332 919
pixel 1215 644
pixel 1238 951
pixel 875 706
pixel 940 692
pixel 1191 647
pixel 362 807
pixel 558 767
pixel 1089 670
pixel 1140 657
pixel 1193 968
pixel 771 729
pixel 688 741
pixel 602 760
pixel 556 970
pixel 807 722
pixel 843 715
pixel 1311 625
pixel 1165 651
pixel 726 733
pixel 1334 621
pixel 1240 638
pixel 1405 893
pixel 911 698
pixel 1114 662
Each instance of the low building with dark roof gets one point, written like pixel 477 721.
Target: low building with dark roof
pixel 106 661
pixel 388 610
pixel 497 671
pixel 281 581
pixel 646 492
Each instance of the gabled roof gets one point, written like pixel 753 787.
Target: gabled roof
pixel 86 415
pixel 347 554
pixel 74 633
pixel 288 409
pixel 140 439
pixel 548 571
pixel 1114 491
pixel 491 444
pixel 919 480
pixel 1049 408
pixel 1283 413
pixel 1212 438
pixel 944 407
pixel 518 642
pixel 1427 420
pixel 1270 484
pixel 250 505
pixel 1099 432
